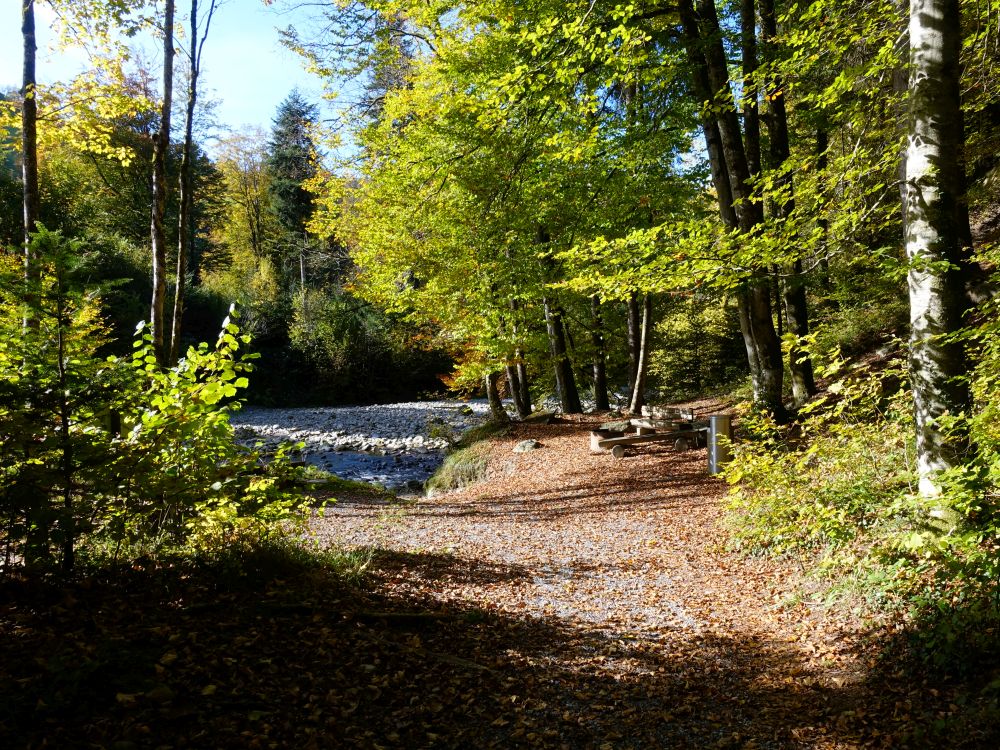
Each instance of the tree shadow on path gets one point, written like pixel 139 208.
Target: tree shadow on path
pixel 185 657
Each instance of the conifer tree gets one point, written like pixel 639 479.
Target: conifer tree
pixel 291 163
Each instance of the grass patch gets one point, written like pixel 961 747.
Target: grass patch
pixel 280 557
pixel 314 479
pixel 466 463
pixel 482 432
pixel 460 469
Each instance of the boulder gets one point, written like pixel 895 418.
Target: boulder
pixel 540 417
pixel 527 445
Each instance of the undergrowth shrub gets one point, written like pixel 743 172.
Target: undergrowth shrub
pixel 254 555
pixel 834 479
pixel 117 455
pixel 838 491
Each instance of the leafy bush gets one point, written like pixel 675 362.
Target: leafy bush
pixel 856 329
pixel 832 480
pixel 116 451
pixel 838 490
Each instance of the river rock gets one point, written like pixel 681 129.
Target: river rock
pixel 333 436
pixel 527 445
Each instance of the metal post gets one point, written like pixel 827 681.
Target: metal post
pixel 719 453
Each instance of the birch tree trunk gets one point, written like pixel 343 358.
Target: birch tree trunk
pixel 934 181
pixel 161 144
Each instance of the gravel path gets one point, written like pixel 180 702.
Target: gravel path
pixel 625 545
pixel 624 551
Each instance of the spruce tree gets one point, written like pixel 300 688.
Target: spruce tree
pixel 290 163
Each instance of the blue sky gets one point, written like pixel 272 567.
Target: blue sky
pixel 244 66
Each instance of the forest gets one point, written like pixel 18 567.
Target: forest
pixel 786 212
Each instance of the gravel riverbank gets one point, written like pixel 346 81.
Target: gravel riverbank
pixel 396 445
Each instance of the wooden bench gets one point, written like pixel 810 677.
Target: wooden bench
pixel 681 429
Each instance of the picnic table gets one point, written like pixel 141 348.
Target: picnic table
pixel 681 428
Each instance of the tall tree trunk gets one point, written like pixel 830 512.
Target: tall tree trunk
pixel 822 144
pixel 900 86
pixel 934 182
pixel 601 402
pixel 29 155
pixel 779 321
pixel 793 293
pixel 520 367
pixel 703 40
pixel 793 287
pixel 569 397
pixel 29 129
pixel 497 412
pixel 186 185
pixel 751 108
pixel 185 222
pixel 68 520
pixel 748 210
pixel 522 380
pixel 634 339
pixel 638 396
pixel 161 144
pixel 514 386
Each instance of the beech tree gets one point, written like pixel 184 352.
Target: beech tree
pixel 934 232
pixel 734 162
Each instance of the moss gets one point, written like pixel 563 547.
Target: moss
pixel 314 479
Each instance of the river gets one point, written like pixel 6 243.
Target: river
pixel 396 445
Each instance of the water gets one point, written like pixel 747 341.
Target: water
pixel 399 471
